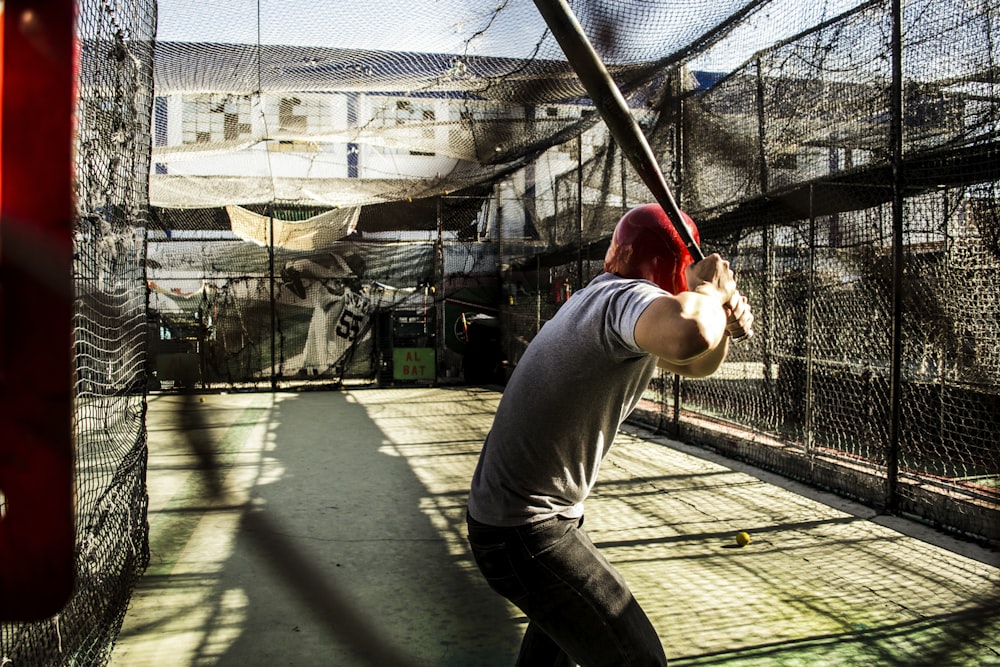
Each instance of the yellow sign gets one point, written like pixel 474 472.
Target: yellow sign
pixel 413 363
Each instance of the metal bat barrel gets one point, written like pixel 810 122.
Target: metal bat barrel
pixel 611 104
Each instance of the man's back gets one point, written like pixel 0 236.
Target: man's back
pixel 577 381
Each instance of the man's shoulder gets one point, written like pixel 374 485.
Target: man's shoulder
pixel 614 297
pixel 609 282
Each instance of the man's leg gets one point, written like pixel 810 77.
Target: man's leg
pixel 538 650
pixel 552 571
pixel 491 552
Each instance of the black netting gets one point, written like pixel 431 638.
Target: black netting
pixel 791 163
pixel 312 193
pixel 827 179
pixel 109 326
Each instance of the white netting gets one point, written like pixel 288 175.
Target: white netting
pixel 353 103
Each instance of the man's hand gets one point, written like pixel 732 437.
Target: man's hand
pixel 713 277
pixel 739 317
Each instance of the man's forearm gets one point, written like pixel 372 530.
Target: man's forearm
pixel 702 366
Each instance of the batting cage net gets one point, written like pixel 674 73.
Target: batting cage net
pixel 276 194
pixel 861 214
pixel 113 58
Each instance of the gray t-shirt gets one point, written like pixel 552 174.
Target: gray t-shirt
pixel 579 379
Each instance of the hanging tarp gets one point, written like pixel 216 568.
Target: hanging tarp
pixel 317 232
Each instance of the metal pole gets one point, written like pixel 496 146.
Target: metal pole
pixel 678 170
pixel 579 211
pixel 810 320
pixel 768 259
pixel 898 184
pixel 439 299
pixel 274 311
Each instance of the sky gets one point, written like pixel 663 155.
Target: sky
pixel 510 28
pixel 434 26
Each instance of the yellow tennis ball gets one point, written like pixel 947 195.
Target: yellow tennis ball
pixel 202 399
pixel 742 538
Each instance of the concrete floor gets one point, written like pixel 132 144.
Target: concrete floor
pixel 333 534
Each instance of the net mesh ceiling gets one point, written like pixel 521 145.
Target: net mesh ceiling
pixel 261 132
pixel 355 103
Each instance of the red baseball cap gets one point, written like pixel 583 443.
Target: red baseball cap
pixel 645 245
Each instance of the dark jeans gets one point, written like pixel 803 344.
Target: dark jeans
pixel 580 609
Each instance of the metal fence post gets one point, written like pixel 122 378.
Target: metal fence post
pixel 896 139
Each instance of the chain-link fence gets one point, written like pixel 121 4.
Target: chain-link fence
pixel 858 209
pixel 293 204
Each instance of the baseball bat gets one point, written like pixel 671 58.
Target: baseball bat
pixel 611 104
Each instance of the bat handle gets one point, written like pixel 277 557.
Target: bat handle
pixel 739 338
pixel 736 331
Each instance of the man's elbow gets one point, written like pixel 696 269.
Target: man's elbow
pixel 692 348
pixel 699 355
pixel 703 336
pixel 681 331
pixel 691 372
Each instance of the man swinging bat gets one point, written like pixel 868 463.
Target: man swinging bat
pixel 578 380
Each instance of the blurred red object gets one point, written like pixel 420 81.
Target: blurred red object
pixel 36 307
